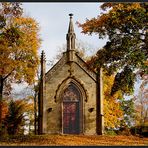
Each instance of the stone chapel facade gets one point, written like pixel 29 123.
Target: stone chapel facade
pixel 70 99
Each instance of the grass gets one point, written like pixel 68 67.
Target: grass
pixel 73 140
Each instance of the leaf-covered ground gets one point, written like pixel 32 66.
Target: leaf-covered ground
pixel 71 140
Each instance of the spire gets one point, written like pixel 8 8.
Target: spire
pixel 43 55
pixel 70 35
pixel 41 95
pixel 71 29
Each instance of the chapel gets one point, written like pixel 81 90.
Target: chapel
pixel 70 94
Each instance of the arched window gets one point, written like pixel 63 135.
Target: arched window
pixel 71 109
pixel 71 93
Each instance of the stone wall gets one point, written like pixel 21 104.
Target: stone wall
pixel 52 118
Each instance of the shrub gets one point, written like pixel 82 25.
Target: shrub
pixel 14 118
pixel 140 130
pixel 124 131
pixel 110 132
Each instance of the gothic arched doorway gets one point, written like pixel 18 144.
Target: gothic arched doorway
pixel 72 110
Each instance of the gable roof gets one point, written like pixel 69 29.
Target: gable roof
pixel 64 60
pixel 71 55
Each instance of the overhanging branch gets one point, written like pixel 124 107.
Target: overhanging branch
pixel 8 74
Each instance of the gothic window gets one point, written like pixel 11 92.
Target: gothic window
pixel 71 110
pixel 71 93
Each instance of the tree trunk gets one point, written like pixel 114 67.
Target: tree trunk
pixel 1 98
pixel 29 127
pixel 35 113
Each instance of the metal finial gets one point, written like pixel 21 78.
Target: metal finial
pixel 70 15
pixel 43 55
pixel 43 52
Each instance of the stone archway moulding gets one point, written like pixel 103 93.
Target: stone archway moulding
pixel 63 85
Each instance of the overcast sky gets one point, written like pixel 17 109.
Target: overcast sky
pixel 53 20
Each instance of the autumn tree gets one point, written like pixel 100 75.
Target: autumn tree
pixel 141 104
pixel 29 114
pixel 14 118
pixel 19 43
pixel 31 108
pixel 113 114
pixel 125 26
pixel 127 106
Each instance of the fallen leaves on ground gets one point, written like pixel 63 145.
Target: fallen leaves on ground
pixel 73 140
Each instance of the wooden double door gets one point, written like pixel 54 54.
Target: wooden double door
pixel 71 110
pixel 71 118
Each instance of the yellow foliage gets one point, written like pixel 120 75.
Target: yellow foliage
pixel 112 111
pixel 20 59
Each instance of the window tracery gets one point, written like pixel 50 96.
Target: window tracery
pixel 71 93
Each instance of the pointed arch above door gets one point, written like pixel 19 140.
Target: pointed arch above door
pixel 65 83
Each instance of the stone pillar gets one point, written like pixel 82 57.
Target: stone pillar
pixel 99 107
pixel 41 94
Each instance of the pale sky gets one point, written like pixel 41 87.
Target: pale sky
pixel 53 20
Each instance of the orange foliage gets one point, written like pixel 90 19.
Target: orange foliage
pixel 100 24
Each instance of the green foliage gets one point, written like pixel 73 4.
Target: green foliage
pixel 110 132
pixel 125 25
pixel 15 116
pixel 127 106
pixel 124 81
